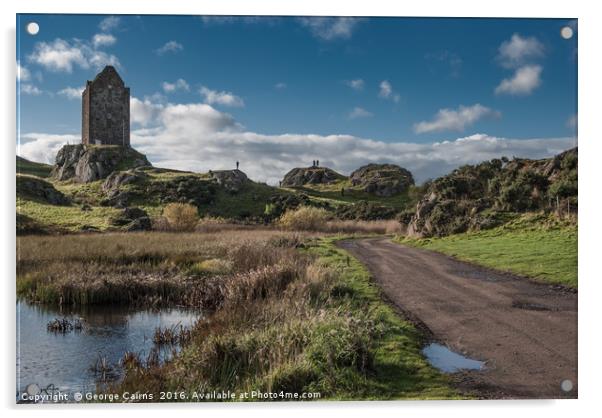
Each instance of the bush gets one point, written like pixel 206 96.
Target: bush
pixel 305 218
pixel 181 216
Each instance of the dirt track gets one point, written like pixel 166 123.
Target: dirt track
pixel 525 331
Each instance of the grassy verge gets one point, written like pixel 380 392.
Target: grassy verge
pixel 533 246
pixel 321 328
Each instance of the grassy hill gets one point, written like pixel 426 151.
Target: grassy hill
pixel 25 166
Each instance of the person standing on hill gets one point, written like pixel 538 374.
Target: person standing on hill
pixel 237 163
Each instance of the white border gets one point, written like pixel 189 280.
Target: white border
pixel 590 34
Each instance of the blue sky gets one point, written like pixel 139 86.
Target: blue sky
pixel 275 91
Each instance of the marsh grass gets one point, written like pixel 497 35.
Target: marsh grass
pixel 308 322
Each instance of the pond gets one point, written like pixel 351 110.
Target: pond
pixel 64 360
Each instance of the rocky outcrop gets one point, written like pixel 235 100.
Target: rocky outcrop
pixel 85 163
pixel 365 211
pixel 132 219
pixel 299 177
pixel 183 189
pixel 231 180
pixel 34 188
pixel 382 180
pixel 486 195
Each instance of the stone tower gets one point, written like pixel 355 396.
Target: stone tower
pixel 106 110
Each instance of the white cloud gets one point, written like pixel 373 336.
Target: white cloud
pixel 171 46
pixel 359 112
pixel 330 28
pixel 23 74
pixel 103 39
pixel 62 56
pixel 179 84
pixel 455 119
pixel 280 86
pixel 72 93
pixel 109 23
pixel 519 50
pixel 43 147
pixel 386 91
pixel 357 84
pixel 143 112
pixel 523 82
pixel 30 89
pixel 198 137
pixel 221 97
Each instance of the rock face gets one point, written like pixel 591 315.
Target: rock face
pixel 299 177
pixel 84 163
pixel 37 189
pixel 486 195
pixel 382 180
pixel 231 180
pixel 132 219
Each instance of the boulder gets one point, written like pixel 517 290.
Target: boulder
pixel 35 188
pixel 299 177
pixel 132 219
pixel 87 163
pixel 382 180
pixel 231 180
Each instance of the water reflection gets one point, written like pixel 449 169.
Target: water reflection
pixel 65 359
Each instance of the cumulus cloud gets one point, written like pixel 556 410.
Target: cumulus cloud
pixel 72 93
pixel 330 28
pixel 223 98
pixel 386 91
pixel 455 119
pixel 171 46
pixel 359 112
pixel 103 39
pixel 143 112
pixel 109 23
pixel 179 84
pixel 30 89
pixel 42 147
pixel 62 56
pixel 198 137
pixel 523 82
pixel 357 84
pixel 23 74
pixel 519 50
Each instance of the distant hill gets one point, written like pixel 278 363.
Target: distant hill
pixel 483 196
pixel 32 168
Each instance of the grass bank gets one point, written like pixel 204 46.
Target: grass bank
pixel 320 328
pixel 537 246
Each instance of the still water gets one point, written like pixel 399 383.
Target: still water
pixel 448 361
pixel 64 360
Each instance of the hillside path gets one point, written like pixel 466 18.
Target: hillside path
pixel 526 332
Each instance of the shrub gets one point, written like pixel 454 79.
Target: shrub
pixel 181 216
pixel 305 218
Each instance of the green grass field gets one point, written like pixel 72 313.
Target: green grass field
pixel 32 168
pixel 532 246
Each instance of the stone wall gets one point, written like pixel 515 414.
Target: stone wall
pixel 106 110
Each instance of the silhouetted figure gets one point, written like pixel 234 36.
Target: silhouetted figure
pixel 237 163
pixel 313 163
pixel 317 163
pixel 342 191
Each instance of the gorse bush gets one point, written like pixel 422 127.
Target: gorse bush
pixel 305 218
pixel 181 216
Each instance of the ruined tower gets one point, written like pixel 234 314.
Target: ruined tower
pixel 106 110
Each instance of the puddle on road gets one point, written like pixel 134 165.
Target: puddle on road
pixel 447 361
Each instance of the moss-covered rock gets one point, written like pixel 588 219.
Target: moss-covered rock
pixel 299 177
pixel 475 197
pixel 37 189
pixel 382 179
